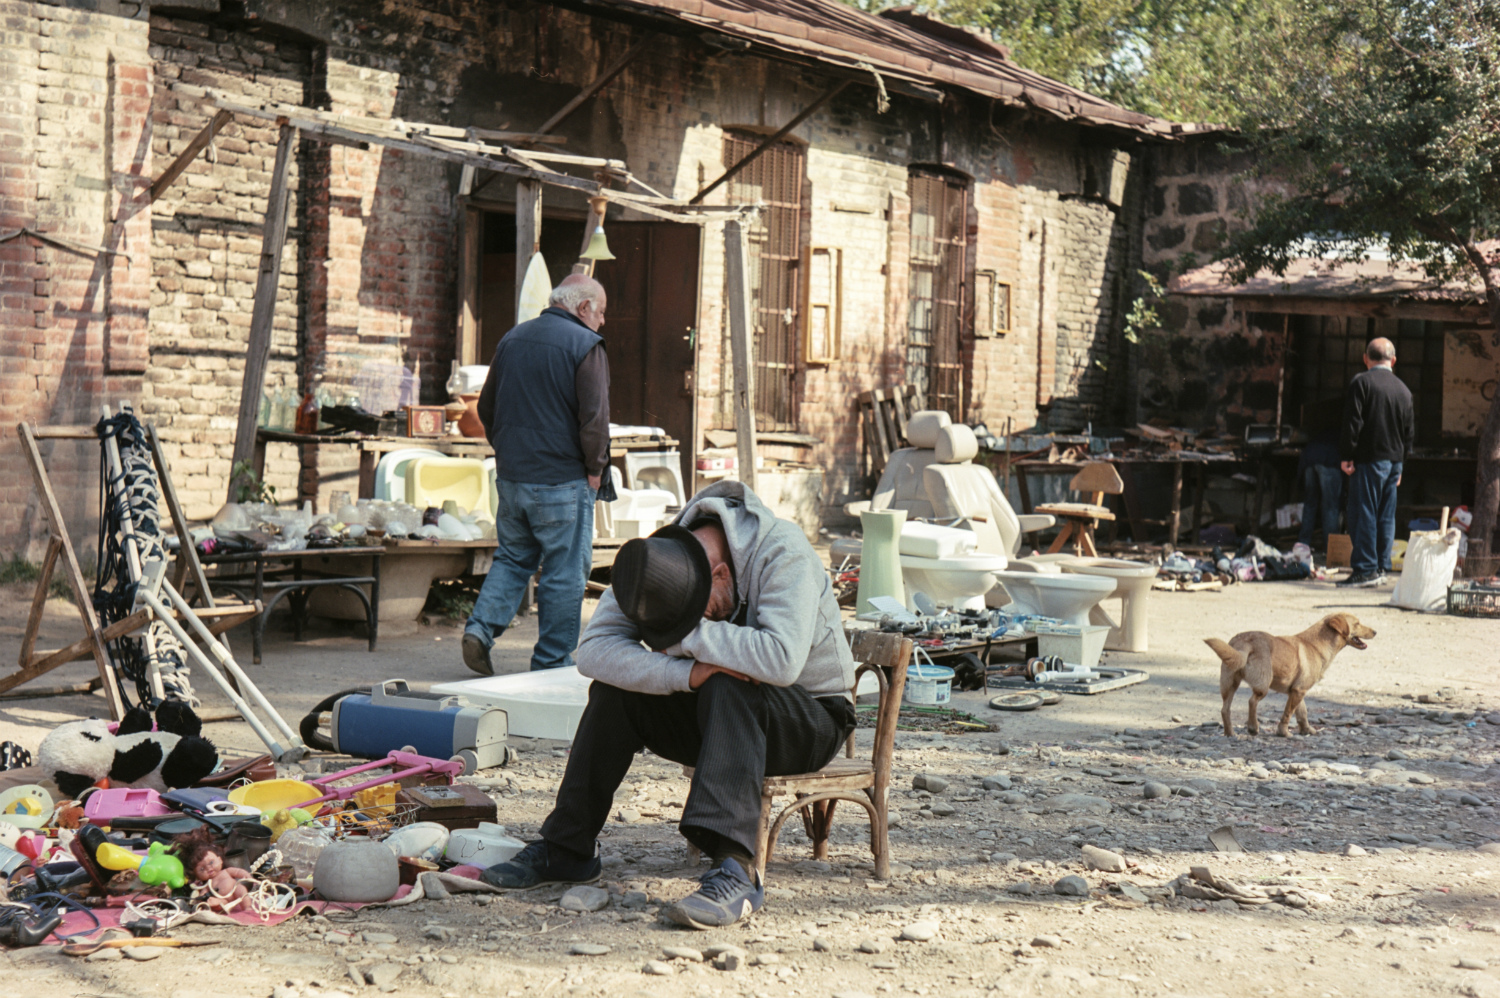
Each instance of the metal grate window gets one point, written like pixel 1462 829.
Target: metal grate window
pixel 934 363
pixel 1331 352
pixel 774 181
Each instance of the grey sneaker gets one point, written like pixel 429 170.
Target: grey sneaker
pixel 728 893
pixel 477 655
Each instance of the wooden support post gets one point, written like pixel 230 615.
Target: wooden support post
pixel 258 352
pixel 82 596
pixel 528 232
pixel 469 222
pixel 186 157
pixel 603 80
pixel 785 130
pixel 1174 517
pixel 39 600
pixel 737 302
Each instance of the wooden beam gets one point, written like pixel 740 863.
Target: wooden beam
pixel 39 600
pixel 187 550
pixel 258 351
pixel 470 220
pixel 604 79
pixel 82 597
pixel 528 233
pixel 186 157
pixel 786 129
pixel 737 302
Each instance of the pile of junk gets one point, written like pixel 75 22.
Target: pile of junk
pixel 261 526
pixel 118 832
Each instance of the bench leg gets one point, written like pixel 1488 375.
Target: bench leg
pixel 763 836
pixel 880 836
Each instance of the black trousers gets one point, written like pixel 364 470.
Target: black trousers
pixel 733 733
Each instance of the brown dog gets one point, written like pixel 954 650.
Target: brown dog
pixel 1290 665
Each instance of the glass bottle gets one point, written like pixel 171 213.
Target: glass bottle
pixel 307 412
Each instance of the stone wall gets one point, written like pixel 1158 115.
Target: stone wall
pixel 1206 366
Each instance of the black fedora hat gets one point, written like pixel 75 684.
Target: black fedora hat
pixel 663 582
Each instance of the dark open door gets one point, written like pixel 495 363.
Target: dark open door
pixel 652 286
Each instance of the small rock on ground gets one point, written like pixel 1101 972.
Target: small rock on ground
pixel 920 932
pixel 871 946
pixel 999 781
pixel 1469 963
pixel 1047 942
pixel 1353 850
pixel 682 953
pixel 926 781
pixel 585 898
pixel 104 956
pixel 657 968
pixel 1102 859
pixel 588 949
pixel 1072 886
pixel 1153 790
pixel 142 953
pixel 383 975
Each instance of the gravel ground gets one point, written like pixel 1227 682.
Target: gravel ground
pixel 1053 855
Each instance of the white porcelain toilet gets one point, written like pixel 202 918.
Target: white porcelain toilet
pixel 938 561
pixel 1042 589
pixel 1132 585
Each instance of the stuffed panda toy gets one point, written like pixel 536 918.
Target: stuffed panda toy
pixel 79 754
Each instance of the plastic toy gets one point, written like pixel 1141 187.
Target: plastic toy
pixel 284 820
pixel 156 867
pixel 26 807
pixel 123 802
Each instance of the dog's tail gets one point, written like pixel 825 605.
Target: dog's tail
pixel 1231 658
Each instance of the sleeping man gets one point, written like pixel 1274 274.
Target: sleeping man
pixel 719 647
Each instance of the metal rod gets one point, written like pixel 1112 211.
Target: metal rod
pixel 291 753
pixel 755 153
pixel 221 651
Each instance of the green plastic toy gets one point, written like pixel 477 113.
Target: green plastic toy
pixel 161 867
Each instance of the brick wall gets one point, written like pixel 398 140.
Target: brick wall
pixel 368 278
pixel 206 245
pixel 74 152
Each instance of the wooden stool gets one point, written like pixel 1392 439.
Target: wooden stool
pixel 1079 519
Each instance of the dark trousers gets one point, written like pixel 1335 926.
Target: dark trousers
pixel 1322 493
pixel 1372 515
pixel 732 732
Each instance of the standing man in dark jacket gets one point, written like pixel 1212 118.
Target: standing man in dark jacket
pixel 1378 433
pixel 545 409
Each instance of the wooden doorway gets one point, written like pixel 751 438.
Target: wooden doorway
pixel 650 328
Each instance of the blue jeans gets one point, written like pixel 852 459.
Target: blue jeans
pixel 1372 515
pixel 551 526
pixel 1322 489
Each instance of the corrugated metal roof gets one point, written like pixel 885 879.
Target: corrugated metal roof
pixel 1312 278
pixel 905 45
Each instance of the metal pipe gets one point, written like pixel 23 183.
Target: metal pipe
pixel 233 667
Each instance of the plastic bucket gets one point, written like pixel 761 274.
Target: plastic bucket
pixel 928 684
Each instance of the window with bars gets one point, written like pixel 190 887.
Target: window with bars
pixel 774 248
pixel 1331 352
pixel 939 216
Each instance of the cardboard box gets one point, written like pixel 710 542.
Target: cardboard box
pixel 1340 548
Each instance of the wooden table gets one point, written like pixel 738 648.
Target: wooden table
pixel 1130 498
pixel 268 575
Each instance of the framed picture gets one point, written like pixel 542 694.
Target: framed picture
pixel 425 420
pixel 823 305
pixel 991 305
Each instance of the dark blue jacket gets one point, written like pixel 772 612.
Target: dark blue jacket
pixel 534 417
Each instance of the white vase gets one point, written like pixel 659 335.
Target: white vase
pixel 880 557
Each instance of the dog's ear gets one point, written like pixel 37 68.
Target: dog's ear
pixel 1340 623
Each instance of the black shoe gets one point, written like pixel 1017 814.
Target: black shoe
pixel 476 655
pixel 538 866
pixel 1361 580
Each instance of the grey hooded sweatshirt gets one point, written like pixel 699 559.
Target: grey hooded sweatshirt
pixel 793 633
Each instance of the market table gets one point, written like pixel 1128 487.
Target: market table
pixel 267 576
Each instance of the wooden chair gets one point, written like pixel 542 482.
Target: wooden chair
pixel 865 782
pixel 1079 519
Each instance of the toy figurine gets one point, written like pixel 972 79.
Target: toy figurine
pixel 204 860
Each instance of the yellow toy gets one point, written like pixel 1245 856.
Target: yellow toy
pixel 284 820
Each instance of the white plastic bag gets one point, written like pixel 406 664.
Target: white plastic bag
pixel 1431 558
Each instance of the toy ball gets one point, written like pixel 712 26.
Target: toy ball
pixel 424 840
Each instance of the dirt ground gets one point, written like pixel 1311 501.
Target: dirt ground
pixel 1405 767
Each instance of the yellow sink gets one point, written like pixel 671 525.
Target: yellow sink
pixel 432 481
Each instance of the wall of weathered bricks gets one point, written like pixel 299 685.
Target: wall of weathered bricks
pixel 367 284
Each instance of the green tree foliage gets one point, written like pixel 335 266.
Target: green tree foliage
pixel 1382 131
pixel 1161 57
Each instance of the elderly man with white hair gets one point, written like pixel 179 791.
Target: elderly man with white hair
pixel 545 409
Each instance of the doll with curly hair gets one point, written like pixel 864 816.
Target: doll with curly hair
pixel 203 859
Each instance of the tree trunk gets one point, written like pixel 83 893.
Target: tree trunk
pixel 1484 552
